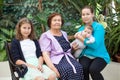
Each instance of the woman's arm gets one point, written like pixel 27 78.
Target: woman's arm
pixel 98 34
pixel 49 63
pixel 99 37
pixel 80 36
pixel 45 44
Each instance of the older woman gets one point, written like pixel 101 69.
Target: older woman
pixel 57 51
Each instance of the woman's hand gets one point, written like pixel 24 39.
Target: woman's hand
pixel 57 73
pixel 81 37
pixel 76 35
pixel 75 46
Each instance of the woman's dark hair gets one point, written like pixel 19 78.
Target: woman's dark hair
pixel 22 21
pixel 88 7
pixel 51 16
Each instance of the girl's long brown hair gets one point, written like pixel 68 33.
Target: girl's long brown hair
pixel 22 21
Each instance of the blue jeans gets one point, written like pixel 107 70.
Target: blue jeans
pixel 92 67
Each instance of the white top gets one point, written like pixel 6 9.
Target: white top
pixel 28 48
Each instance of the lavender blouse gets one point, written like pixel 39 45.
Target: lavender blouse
pixel 49 43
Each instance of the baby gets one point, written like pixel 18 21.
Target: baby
pixel 87 33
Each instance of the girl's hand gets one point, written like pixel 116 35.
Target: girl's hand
pixel 39 67
pixel 31 66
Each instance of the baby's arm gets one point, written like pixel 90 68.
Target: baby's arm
pixel 91 40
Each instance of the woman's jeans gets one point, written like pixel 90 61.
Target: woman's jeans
pixel 92 67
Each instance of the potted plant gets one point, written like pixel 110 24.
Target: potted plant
pixel 117 56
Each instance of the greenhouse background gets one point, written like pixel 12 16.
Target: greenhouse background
pixel 107 12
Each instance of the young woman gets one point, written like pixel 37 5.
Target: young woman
pixel 57 51
pixel 95 56
pixel 25 50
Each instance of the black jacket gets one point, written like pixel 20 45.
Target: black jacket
pixel 16 53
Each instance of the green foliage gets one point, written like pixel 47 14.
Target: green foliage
pixel 70 27
pixel 3 56
pixel 40 18
pixel 7 24
pixel 70 10
pixel 26 7
pixel 112 37
pixel 113 40
pixel 39 21
pixel 1 7
pixel 5 35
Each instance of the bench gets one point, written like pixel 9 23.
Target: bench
pixel 14 69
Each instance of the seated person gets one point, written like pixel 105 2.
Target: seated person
pixel 57 50
pixel 87 33
pixel 25 50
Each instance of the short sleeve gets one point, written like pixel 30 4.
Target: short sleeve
pixel 45 43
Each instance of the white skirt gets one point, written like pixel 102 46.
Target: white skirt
pixel 33 73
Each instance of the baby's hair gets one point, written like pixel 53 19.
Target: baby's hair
pixel 89 27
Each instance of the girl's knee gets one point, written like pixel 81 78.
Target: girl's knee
pixel 52 77
pixel 39 78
